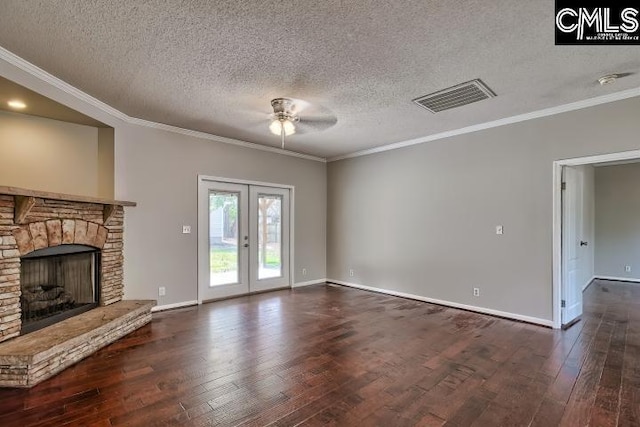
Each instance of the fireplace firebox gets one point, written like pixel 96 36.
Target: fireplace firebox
pixel 57 283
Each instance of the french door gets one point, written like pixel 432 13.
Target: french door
pixel 243 239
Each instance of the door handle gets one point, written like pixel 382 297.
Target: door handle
pixel 246 245
pixel 583 243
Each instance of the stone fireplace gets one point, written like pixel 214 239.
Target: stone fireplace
pixel 60 256
pixel 32 224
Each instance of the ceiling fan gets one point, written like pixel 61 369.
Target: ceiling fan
pixel 292 116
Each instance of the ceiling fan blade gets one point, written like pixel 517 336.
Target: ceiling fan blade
pixel 304 108
pixel 254 119
pixel 315 124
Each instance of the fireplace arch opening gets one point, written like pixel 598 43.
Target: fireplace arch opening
pixel 58 282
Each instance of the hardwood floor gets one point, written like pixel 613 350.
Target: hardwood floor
pixel 333 355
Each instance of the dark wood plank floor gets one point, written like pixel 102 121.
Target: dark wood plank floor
pixel 339 356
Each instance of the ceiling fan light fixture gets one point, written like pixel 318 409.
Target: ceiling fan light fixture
pixel 278 124
pixel 608 79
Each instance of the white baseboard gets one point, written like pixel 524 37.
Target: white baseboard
pixel 618 279
pixel 309 283
pixel 482 310
pixel 589 282
pixel 171 306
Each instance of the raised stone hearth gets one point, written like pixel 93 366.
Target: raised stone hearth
pixel 33 222
pixel 30 359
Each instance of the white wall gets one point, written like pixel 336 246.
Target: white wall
pixel 48 155
pixel 421 219
pixel 618 221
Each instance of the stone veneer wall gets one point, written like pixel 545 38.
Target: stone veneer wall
pixel 51 223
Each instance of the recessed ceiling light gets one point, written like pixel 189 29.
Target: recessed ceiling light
pixel 608 79
pixel 17 104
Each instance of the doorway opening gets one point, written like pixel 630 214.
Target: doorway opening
pixel 244 237
pixel 571 240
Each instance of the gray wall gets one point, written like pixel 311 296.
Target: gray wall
pixel 422 219
pixel 618 221
pixel 159 170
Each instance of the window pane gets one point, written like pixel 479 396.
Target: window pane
pixel 223 238
pixel 269 236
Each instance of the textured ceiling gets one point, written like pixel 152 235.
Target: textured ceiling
pixel 215 66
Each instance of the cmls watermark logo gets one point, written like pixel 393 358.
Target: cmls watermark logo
pixel 597 22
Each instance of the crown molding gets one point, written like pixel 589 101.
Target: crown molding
pixel 222 139
pixel 579 105
pixel 65 87
pixel 52 80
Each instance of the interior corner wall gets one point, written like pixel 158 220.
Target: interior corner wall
pixel 48 155
pixel 159 170
pixel 106 163
pixel 421 220
pixel 618 221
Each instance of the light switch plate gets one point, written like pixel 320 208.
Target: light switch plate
pixel 499 229
pixel 186 229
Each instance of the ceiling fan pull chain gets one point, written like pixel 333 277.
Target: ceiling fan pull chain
pixel 282 133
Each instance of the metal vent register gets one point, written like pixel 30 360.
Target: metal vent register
pixel 455 96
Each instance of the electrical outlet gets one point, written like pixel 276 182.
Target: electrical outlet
pixel 351 272
pixel 627 268
pixel 186 229
pixel 499 229
pixel 162 291
pixel 304 271
pixel 476 292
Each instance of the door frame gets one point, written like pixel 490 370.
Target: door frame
pixel 557 218
pixel 291 188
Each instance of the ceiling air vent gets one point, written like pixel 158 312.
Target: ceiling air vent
pixel 455 96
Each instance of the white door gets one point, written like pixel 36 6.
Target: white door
pixel 572 218
pixel 269 235
pixel 223 240
pixel 243 239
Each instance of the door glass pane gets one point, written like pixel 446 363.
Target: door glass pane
pixel 223 238
pixel 269 236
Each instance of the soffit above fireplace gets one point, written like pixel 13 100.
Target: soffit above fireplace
pixel 41 106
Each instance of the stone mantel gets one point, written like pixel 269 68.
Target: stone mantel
pixel 15 191
pixel 25 200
